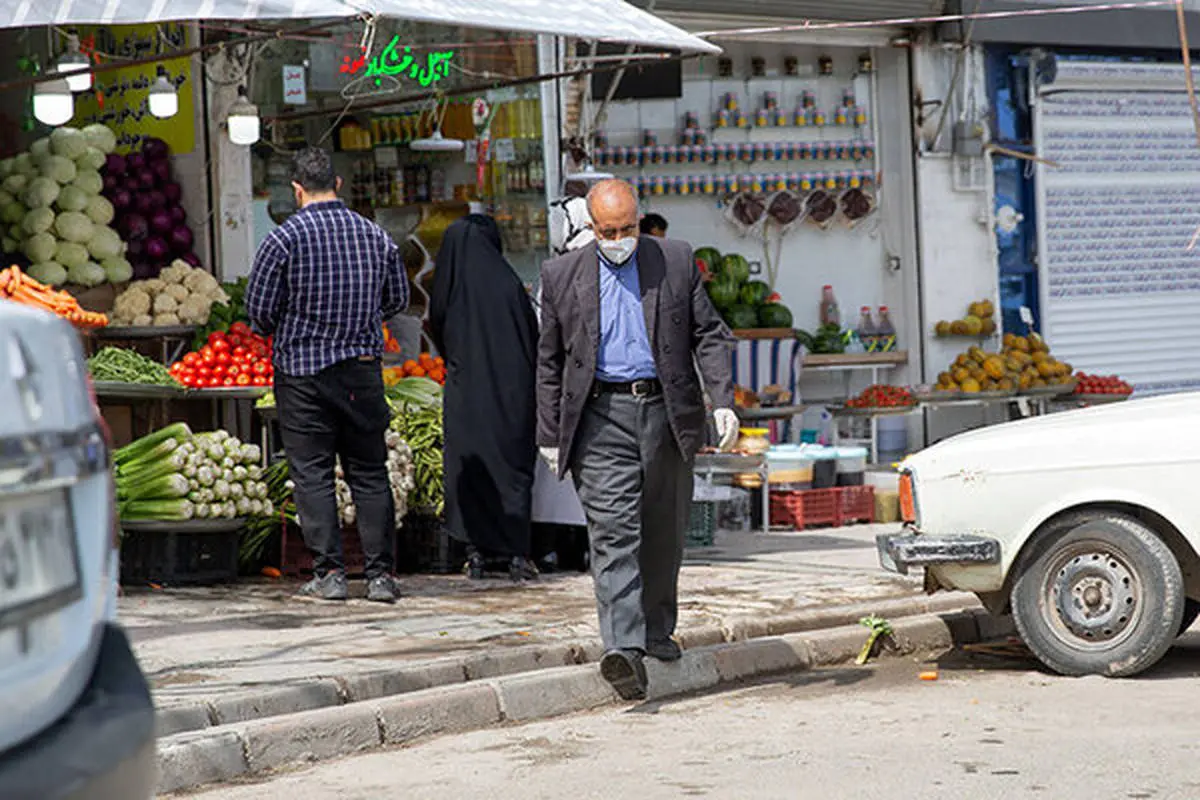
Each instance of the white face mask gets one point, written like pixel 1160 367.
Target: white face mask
pixel 618 251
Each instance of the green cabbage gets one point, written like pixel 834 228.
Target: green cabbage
pixel 40 193
pixel 6 167
pixel 60 168
pixel 49 272
pixel 68 142
pixel 73 226
pixel 117 269
pixel 40 247
pixel 12 213
pixel 89 181
pixel 72 198
pixel 6 198
pixel 105 243
pixel 87 274
pixel 40 148
pixel 92 158
pixel 39 220
pixel 17 232
pixel 101 138
pixel 100 210
pixel 7 245
pixel 15 184
pixel 70 254
pixel 24 164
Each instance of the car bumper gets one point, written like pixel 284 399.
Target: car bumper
pixel 899 553
pixel 102 748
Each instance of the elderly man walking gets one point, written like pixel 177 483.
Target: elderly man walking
pixel 625 323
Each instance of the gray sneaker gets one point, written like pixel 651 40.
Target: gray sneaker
pixel 330 586
pixel 383 589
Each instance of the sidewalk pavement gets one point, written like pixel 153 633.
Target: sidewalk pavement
pixel 233 644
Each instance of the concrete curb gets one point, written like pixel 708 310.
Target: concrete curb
pixel 326 691
pixel 243 749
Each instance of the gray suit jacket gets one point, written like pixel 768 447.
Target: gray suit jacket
pixel 685 333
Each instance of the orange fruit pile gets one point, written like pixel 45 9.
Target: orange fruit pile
pixel 426 366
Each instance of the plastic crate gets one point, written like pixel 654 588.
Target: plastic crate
pixel 426 546
pixel 702 524
pixel 179 558
pixel 857 504
pixel 823 507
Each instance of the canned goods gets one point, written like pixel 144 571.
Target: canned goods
pixel 600 139
pixel 709 184
pixel 793 181
pixel 839 117
pixel 601 156
pixel 741 120
pixel 860 116
pixel 700 137
pixel 819 118
pixel 807 180
pixel 855 180
pixel 729 101
pixel 649 138
pixel 761 151
pixel 639 183
pixel 782 120
pixel 869 149
pixel 665 154
pixel 801 118
pixel 779 181
pixel 617 156
pixel 710 154
pixel 731 183
pixel 649 155
pixel 691 120
pixel 731 151
pixel 818 151
pixel 831 181
pixel 756 183
pixel 808 99
pixel 683 185
pixel 762 118
pixel 657 186
pixel 848 100
pixel 723 118
pixel 770 101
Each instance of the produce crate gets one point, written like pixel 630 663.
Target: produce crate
pixel 822 507
pixel 702 524
pixel 179 557
pixel 426 546
pixel 297 560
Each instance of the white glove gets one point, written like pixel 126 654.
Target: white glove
pixel 727 427
pixel 550 456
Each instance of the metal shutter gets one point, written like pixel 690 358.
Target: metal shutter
pixel 1120 291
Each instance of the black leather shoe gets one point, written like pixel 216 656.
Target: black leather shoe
pixel 664 650
pixel 626 672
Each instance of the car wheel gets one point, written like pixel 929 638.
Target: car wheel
pixel 1098 594
pixel 1191 610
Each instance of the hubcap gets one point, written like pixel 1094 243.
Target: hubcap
pixel 1094 596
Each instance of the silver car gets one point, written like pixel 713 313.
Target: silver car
pixel 76 717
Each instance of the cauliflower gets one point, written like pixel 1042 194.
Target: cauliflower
pixel 143 320
pixel 169 318
pixel 180 293
pixel 201 282
pixel 195 310
pixel 176 273
pixel 165 304
pixel 133 302
pixel 153 286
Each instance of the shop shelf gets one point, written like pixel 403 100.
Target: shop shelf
pixel 179 553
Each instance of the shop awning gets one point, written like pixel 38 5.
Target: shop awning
pixel 601 20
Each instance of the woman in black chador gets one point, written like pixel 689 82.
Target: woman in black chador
pixel 483 323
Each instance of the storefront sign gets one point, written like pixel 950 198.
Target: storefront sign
pixel 504 152
pixel 295 90
pixel 119 98
pixel 394 61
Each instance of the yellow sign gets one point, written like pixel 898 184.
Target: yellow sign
pixel 119 97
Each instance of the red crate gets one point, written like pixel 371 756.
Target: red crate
pixel 297 558
pixel 814 508
pixel 857 504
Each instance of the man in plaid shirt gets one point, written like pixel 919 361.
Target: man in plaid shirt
pixel 322 285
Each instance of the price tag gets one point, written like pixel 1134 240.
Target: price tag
pixel 1026 316
pixel 387 157
pixel 503 151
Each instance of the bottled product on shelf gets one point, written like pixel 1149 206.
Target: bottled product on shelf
pixel 830 315
pixel 885 332
pixel 868 333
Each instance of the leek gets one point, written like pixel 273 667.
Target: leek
pixel 133 450
pixel 178 510
pixel 164 487
pixel 130 480
pixel 150 457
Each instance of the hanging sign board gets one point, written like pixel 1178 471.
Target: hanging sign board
pixel 295 89
pixel 119 99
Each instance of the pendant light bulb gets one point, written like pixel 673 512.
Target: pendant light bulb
pixel 243 122
pixel 75 67
pixel 163 100
pixel 53 103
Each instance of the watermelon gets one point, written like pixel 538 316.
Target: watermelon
pixel 754 293
pixel 741 317
pixel 710 257
pixel 774 315
pixel 723 293
pixel 735 267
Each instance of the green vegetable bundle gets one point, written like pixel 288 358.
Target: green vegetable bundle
pixel 125 366
pixel 260 529
pixel 174 475
pixel 421 427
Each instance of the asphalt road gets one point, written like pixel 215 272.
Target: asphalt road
pixel 989 727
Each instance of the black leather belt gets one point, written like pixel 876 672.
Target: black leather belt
pixel 643 388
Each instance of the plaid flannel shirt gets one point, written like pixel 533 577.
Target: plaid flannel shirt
pixel 323 283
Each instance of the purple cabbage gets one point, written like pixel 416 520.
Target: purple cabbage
pixel 121 199
pixel 114 164
pixel 133 227
pixel 144 203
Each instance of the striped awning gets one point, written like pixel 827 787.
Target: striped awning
pixel 598 20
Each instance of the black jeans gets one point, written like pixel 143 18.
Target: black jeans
pixel 339 412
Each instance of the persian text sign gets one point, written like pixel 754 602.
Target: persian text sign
pixel 394 62
pixel 120 97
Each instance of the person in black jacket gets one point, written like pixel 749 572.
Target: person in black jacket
pixel 483 324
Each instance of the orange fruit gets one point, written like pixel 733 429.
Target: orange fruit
pixel 410 365
pixel 417 372
pixel 439 361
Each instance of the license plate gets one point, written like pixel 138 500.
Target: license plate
pixel 39 564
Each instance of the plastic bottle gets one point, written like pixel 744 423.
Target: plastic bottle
pixel 868 332
pixel 885 331
pixel 829 307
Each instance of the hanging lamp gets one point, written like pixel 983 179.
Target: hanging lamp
pixel 243 122
pixel 436 142
pixel 75 66
pixel 53 102
pixel 163 99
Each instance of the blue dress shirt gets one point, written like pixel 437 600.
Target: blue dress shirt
pixel 625 353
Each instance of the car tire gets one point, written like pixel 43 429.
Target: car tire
pixel 1098 594
pixel 1191 610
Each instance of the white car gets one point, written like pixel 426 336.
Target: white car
pixel 1083 525
pixel 76 718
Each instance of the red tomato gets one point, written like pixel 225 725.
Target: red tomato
pixel 191 359
pixel 221 346
pixel 222 357
pixel 239 328
pixel 235 340
pixel 233 370
pixel 219 370
pixel 243 380
pixel 227 381
pixel 260 368
pixel 216 336
pixel 240 350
